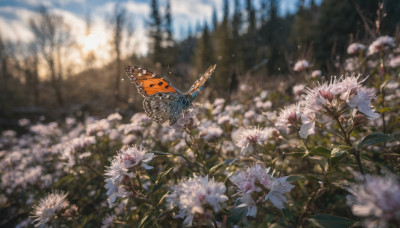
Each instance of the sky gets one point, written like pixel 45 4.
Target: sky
pixel 16 14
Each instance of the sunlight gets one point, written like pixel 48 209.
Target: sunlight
pixel 91 42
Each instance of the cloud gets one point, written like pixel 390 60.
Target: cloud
pixel 16 25
pixel 49 3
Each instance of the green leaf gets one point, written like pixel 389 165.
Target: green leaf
pixel 162 174
pixel 292 178
pixel 321 151
pixel 373 138
pixel 295 154
pixel 162 198
pixel 338 153
pixel 330 221
pixel 314 177
pixel 237 214
pixel 384 109
pixel 220 165
pixel 144 219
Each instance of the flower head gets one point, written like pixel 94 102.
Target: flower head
pixel 289 116
pixel 380 44
pixel 316 73
pixel 355 48
pixel 362 101
pixel 301 65
pixel 123 165
pixel 196 194
pixel 211 133
pixel 249 138
pixel 53 206
pixel 114 117
pixel 186 119
pixel 375 198
pixel 256 182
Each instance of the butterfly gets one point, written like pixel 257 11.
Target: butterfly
pixel 163 101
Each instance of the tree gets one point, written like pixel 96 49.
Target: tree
pixel 155 27
pixel 121 30
pixel 214 19
pixel 236 39
pixel 168 24
pixel 251 16
pixel 204 52
pixel 224 52
pixel 52 34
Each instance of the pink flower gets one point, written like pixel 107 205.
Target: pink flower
pixel 301 65
pixel 355 48
pixel 380 44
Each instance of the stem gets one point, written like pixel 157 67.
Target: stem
pixel 309 203
pixel 257 154
pixel 332 132
pixel 140 183
pixel 355 152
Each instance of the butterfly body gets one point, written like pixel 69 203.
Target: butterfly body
pixel 163 101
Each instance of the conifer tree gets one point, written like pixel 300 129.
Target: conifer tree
pixel 155 27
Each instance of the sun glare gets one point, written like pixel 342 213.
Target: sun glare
pixel 91 42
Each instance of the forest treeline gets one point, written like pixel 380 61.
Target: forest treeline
pixel 252 40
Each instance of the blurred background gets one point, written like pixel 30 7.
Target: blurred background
pixel 67 57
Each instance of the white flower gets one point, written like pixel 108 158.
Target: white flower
pixel 289 116
pixel 316 73
pixel 392 85
pixel 121 167
pixel 351 64
pixel 375 198
pixel 140 119
pixel 219 102
pixel 301 65
pixel 380 43
pixel 308 124
pixel 107 221
pixel 49 208
pixel 186 119
pixel 194 195
pixel 250 114
pixel 355 48
pixel 362 101
pixel 114 117
pixel 298 89
pixel 23 122
pixel 279 187
pixel 70 121
pixel 395 61
pixel 211 133
pixel 255 182
pixel 98 127
pixel 248 201
pixel 249 138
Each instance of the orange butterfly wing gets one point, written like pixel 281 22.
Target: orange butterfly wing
pixel 148 83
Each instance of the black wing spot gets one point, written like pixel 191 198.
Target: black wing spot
pixel 160 83
pixel 151 85
pixel 166 86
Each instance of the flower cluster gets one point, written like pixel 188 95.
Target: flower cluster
pixel 195 195
pixel 248 139
pixel 123 164
pixel 301 65
pixel 376 198
pixel 325 102
pixel 380 44
pixel 52 207
pixel 256 185
pixel 355 48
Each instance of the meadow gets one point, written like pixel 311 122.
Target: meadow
pixel 325 154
